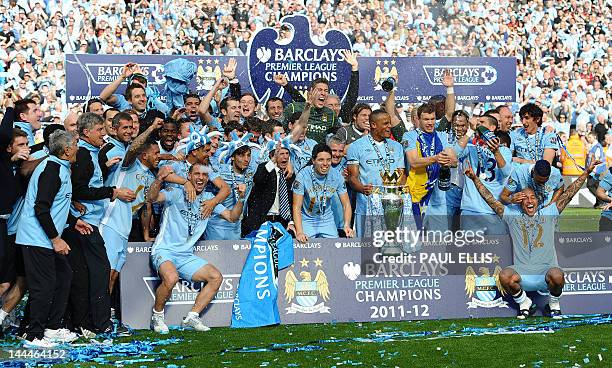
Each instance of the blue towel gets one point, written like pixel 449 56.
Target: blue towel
pixel 178 74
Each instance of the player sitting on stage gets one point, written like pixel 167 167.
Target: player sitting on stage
pixel 172 252
pixel 532 231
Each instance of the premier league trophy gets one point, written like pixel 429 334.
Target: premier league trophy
pixel 389 209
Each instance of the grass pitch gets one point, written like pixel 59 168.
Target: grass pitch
pixel 354 344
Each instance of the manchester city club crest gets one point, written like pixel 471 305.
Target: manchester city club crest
pixel 484 289
pixel 304 293
pixel 207 74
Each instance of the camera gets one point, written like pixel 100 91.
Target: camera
pixel 388 84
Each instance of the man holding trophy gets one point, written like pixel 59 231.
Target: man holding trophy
pixel 376 167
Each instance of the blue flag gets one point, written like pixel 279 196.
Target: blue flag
pixel 255 301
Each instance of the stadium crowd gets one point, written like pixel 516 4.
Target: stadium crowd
pixel 125 167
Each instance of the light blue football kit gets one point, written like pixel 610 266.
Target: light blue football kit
pixel 182 226
pixel 374 159
pixel 318 190
pixel 219 228
pixel 532 146
pixel 476 214
pixel 116 223
pixel 533 244
pixel 521 178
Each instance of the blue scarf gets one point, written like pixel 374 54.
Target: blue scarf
pixel 255 301
pixel 425 147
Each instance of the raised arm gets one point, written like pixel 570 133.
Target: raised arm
pixel 300 126
pixel 450 101
pixel 353 88
pixel 220 84
pixel 153 195
pixel 281 80
pixel 107 93
pixel 496 205
pixel 573 188
pixel 6 127
pixel 134 149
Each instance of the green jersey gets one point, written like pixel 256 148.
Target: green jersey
pixel 319 123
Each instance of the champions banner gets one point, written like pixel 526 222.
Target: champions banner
pixel 348 280
pixel 303 57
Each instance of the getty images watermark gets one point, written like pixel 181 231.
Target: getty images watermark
pixel 413 239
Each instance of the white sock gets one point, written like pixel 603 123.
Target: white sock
pixel 3 315
pixel 156 312
pixel 193 315
pixel 522 300
pixel 553 302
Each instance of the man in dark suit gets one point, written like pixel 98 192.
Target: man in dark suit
pixel 271 197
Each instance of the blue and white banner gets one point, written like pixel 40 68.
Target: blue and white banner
pixel 302 58
pixel 476 79
pixel 255 303
pixel 87 75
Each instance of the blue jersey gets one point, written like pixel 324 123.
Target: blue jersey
pixel 485 166
pixel 182 223
pixel 300 160
pixel 219 228
pixel 533 238
pixel 118 149
pixel 118 214
pixel 122 103
pixel 336 204
pixel 27 128
pixel 29 229
pixel 597 153
pixel 318 191
pixel 374 160
pixel 606 184
pixel 521 178
pixel 227 173
pixel 531 147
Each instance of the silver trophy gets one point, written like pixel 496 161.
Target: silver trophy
pixel 391 209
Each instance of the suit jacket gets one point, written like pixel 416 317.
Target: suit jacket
pixel 262 197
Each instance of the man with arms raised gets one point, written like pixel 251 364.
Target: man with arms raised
pixel 172 252
pixel 532 230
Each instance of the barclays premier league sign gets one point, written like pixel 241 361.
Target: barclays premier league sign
pixel 351 280
pixel 299 57
pixel 303 58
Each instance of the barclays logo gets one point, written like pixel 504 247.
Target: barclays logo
pixel 464 75
pixel 104 74
pixel 300 58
